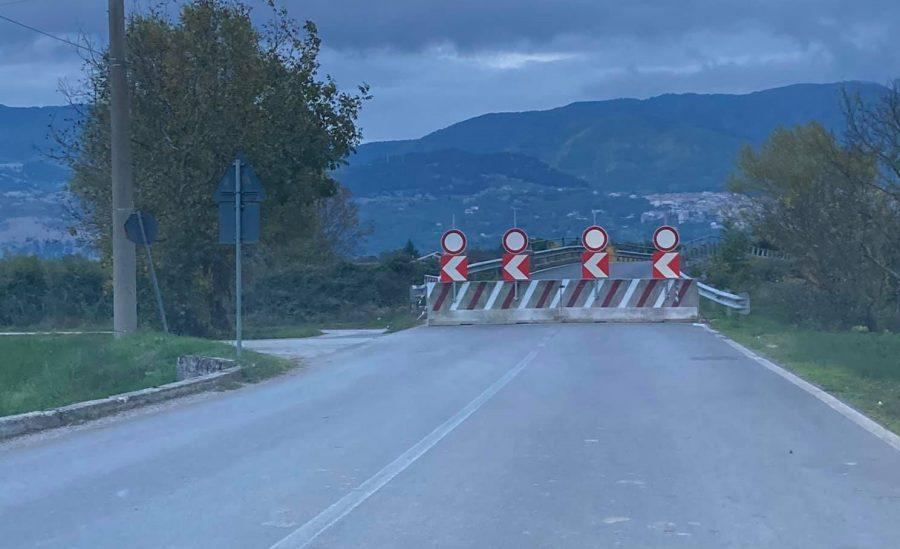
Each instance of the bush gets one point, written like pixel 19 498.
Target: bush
pixel 70 291
pixel 336 290
pixel 23 290
pixel 76 291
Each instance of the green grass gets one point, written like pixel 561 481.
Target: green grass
pixel 393 321
pixel 43 372
pixel 861 368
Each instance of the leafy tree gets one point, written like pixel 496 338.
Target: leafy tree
pixel 873 129
pixel 818 202
pixel 204 87
pixel 410 250
pixel 729 265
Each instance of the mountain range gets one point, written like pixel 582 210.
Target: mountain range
pixel 628 163
pixel 633 162
pixel 34 213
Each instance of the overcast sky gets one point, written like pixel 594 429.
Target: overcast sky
pixel 431 63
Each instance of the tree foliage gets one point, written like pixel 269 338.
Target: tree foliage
pixel 820 202
pixel 57 292
pixel 204 87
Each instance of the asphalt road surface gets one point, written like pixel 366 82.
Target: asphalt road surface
pixel 576 435
pixel 635 269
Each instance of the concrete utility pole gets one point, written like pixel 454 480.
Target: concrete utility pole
pixel 124 279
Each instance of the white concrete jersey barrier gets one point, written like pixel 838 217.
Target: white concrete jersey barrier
pixel 567 300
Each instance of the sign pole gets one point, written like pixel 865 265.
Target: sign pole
pixel 159 301
pixel 237 255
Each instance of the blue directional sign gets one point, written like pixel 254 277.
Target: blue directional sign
pixel 252 193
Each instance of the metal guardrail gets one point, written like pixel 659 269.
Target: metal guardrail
pixel 739 302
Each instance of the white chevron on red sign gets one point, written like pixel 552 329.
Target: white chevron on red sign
pixel 594 265
pixel 666 265
pixel 516 267
pixel 454 268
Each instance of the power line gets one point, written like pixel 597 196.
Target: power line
pixel 47 34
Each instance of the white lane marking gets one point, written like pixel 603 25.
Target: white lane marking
pixel 662 294
pixel 304 535
pixel 834 403
pixel 459 296
pixel 564 283
pixel 527 297
pixel 494 293
pixel 628 293
pixel 593 293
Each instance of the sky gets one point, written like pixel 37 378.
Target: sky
pixel 431 63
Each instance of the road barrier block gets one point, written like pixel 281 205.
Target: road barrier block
pixel 567 300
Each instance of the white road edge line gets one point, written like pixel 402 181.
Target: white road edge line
pixel 307 533
pixel 833 402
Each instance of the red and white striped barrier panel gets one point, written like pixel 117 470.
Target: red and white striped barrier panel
pixel 568 300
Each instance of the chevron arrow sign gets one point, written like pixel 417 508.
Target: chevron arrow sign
pixel 454 268
pixel 515 267
pixel 666 265
pixel 594 265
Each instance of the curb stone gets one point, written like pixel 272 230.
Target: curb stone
pixel 80 412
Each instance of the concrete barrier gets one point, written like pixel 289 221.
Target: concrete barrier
pixel 80 412
pixel 568 300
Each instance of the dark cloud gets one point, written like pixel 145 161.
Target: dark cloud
pixel 434 62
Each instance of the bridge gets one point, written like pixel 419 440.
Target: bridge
pixel 551 434
pixel 557 292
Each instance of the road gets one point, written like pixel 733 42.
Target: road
pixel 635 269
pixel 575 435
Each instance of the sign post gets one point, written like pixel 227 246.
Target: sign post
pixel 454 266
pixel 666 261
pixel 238 298
pixel 140 228
pixel 515 265
pixel 594 260
pixel 238 195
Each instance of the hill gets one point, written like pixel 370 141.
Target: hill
pixel 632 163
pixel 33 213
pixel 674 145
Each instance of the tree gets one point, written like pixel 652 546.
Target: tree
pixel 729 265
pixel 410 250
pixel 818 202
pixel 873 129
pixel 203 88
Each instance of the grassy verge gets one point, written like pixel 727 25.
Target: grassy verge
pixel 862 369
pixel 393 321
pixel 43 372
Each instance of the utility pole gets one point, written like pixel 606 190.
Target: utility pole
pixel 123 252
pixel 238 287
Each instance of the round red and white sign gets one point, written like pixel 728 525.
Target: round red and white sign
pixel 666 238
pixel 594 238
pixel 515 241
pixel 453 242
